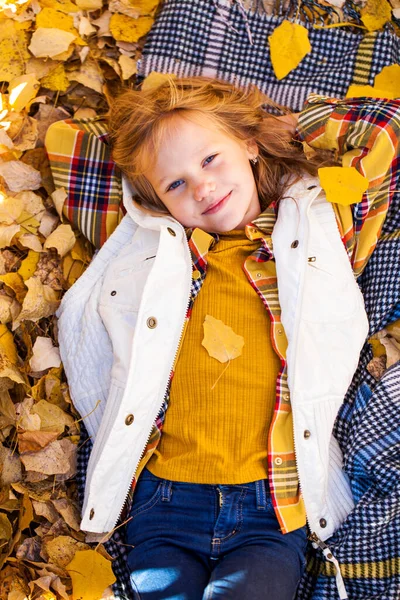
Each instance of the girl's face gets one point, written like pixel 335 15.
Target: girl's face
pixel 204 177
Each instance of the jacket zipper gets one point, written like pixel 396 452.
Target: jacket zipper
pixel 169 379
pixel 313 537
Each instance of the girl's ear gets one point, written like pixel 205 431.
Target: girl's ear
pixel 252 148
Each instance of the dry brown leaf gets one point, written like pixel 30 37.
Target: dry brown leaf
pixel 46 510
pixel 45 355
pixel 62 239
pixel 40 301
pixel 20 176
pixel 69 512
pixel 59 197
pixel 88 75
pixel 62 549
pixel 33 441
pixel 25 419
pixel 48 223
pixel 31 241
pixel 51 460
pixel 128 66
pixel 7 233
pixel 26 513
pixel 11 468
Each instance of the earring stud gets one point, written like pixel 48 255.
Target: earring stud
pixel 254 160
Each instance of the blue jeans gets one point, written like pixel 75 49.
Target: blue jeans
pixel 206 542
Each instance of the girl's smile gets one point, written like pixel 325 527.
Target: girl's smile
pixel 203 176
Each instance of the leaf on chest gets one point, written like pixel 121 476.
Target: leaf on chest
pixel 220 341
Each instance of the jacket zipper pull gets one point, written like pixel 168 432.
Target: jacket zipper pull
pixel 329 556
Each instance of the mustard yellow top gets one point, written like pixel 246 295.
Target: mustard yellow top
pixel 220 435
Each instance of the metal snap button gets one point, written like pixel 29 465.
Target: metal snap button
pixel 312 258
pixel 196 274
pixel 311 187
pixel 91 515
pixel 151 322
pixel 129 420
pixel 286 396
pixel 113 293
pixel 278 461
pixel 323 523
pixel 171 231
pixel 259 274
pixel 307 434
pixel 294 244
pixel 280 331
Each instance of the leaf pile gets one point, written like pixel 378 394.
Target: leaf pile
pixel 59 59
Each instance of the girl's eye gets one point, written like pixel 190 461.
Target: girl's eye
pixel 207 161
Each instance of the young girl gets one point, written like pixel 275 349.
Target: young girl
pixel 219 327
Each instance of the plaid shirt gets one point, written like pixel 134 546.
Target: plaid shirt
pixel 364 132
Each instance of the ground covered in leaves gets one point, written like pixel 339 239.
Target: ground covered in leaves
pixel 59 58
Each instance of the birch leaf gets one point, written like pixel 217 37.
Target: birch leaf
pixel 7 233
pixel 7 345
pixel 375 14
pixel 26 513
pixel 51 460
pixel 128 66
pixel 16 283
pixel 62 239
pixel 22 89
pixel 125 29
pixel 33 441
pixel 90 573
pixel 45 355
pixel 29 264
pixel 20 176
pixel 10 209
pixel 31 241
pixel 220 341
pixel 389 79
pixel 40 301
pixel 342 185
pixel 369 91
pixel 155 79
pixel 50 42
pixel 289 44
pixel 62 549
pixel 52 417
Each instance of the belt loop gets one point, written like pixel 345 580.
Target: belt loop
pixel 261 495
pixel 166 490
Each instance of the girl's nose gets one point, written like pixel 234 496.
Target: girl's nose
pixel 204 189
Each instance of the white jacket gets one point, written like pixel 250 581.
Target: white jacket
pixel 112 352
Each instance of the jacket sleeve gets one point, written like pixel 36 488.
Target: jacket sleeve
pixel 80 162
pixel 364 133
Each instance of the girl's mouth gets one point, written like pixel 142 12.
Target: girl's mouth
pixel 216 207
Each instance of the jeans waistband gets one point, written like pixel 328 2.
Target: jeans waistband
pixel 260 487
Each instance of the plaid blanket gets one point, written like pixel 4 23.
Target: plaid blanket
pixel 220 38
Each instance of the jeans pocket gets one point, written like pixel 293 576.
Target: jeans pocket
pixel 146 495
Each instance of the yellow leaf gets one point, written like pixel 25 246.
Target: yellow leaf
pixel 7 233
pixel 16 283
pixel 22 90
pixel 49 18
pixel 377 348
pixel 13 51
pixel 50 42
pixel 389 79
pixel 125 29
pixel 220 341
pixel 91 574
pixel 154 80
pixel 5 528
pixel 29 264
pixel 289 44
pixel 359 91
pixel 10 209
pixel 342 185
pixel 56 80
pixel 26 513
pixel 7 345
pixel 375 14
pixel 62 549
pixel 65 6
pixel 62 239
